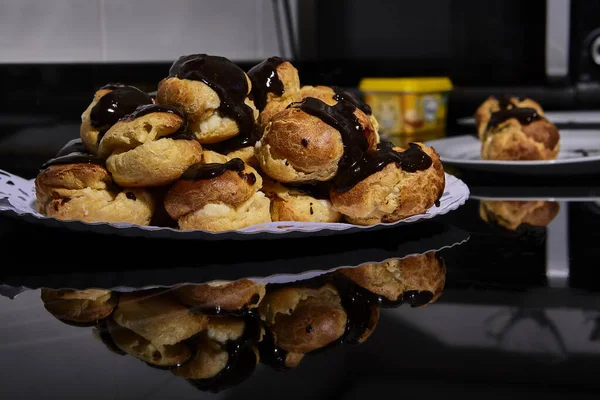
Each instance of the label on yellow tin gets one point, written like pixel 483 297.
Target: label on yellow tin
pixel 399 113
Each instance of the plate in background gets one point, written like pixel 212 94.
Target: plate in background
pixel 579 154
pixel 557 117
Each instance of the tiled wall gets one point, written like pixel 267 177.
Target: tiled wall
pixel 135 30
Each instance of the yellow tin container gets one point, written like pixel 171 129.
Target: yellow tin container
pixel 408 106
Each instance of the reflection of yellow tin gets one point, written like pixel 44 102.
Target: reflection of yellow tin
pixel 408 105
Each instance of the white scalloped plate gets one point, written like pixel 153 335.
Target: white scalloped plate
pixel 17 198
pixel 579 154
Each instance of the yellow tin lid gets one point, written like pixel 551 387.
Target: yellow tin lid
pixel 414 85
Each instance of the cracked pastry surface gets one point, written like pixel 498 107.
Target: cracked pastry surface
pixel 149 147
pixel 86 192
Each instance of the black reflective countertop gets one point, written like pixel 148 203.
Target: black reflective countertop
pixel 517 315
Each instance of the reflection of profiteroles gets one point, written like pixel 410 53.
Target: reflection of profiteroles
pixel 213 334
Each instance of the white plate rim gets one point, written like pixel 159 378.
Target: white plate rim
pixel 125 229
pixel 560 161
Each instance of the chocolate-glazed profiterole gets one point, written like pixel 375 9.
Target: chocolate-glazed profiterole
pixel 218 195
pixel 307 141
pixel 402 188
pixel 111 103
pixel 213 92
pixel 505 102
pixel 335 94
pixel 149 147
pixel 519 133
pixel 275 84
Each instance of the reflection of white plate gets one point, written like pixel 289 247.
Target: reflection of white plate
pixel 17 198
pixel 556 193
pixel 579 154
pixel 300 264
pixel 557 117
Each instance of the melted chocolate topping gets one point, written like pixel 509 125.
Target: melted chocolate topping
pixel 316 189
pixel 265 80
pixel 113 106
pixel 270 353
pixel 343 95
pixel 209 171
pixel 225 78
pixel 72 146
pixel 358 162
pixel 241 361
pixel 243 139
pixel 74 158
pixel 505 102
pixel 146 109
pixel 524 115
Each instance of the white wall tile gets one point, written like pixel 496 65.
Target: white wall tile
pixel 156 30
pixel 49 31
pixel 136 30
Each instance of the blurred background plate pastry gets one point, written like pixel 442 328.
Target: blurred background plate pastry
pixel 579 155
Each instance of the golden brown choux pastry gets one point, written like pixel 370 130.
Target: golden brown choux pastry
pixel 79 306
pixel 222 296
pixel 410 184
pixel 304 319
pixel 158 317
pixel 512 214
pixel 519 134
pixel 493 104
pixel 111 103
pixel 149 147
pixel 225 354
pixel 76 186
pixel 306 141
pixel 213 93
pixel 416 280
pixel 168 355
pixel 299 203
pixel 218 197
pixel 275 84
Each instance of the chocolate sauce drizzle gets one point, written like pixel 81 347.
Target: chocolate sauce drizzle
pixel 209 171
pixel 225 78
pixel 243 139
pixel 358 162
pixel 181 134
pixel 505 101
pixel 72 146
pixel 316 189
pixel 270 353
pixel 74 158
pixel 113 106
pixel 241 361
pixel 265 80
pixel 524 115
pixel 343 95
